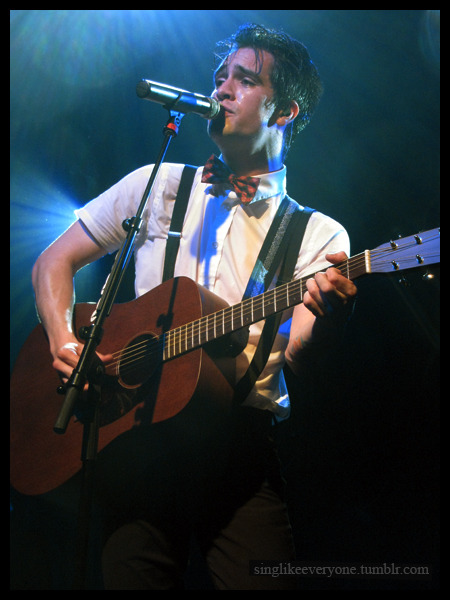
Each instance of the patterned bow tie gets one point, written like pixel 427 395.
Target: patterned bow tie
pixel 215 171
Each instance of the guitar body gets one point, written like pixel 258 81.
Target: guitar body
pixel 41 460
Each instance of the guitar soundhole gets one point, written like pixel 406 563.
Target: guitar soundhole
pixel 138 360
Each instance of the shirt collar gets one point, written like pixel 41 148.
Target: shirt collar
pixel 271 184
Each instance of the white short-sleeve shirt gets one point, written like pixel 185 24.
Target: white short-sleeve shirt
pixel 218 249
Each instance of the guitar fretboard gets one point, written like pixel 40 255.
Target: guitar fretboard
pixel 210 327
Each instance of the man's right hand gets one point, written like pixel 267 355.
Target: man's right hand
pixel 67 356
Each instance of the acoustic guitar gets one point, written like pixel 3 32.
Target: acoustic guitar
pixel 166 355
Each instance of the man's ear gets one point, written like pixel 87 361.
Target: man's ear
pixel 288 115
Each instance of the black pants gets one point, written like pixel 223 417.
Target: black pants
pixel 228 494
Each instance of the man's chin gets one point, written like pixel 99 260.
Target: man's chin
pixel 216 127
pixel 221 132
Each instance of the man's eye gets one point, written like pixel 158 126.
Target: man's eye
pixel 248 82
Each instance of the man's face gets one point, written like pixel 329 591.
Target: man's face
pixel 245 92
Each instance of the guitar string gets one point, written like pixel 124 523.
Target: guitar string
pixel 175 341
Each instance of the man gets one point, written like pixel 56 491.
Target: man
pixel 230 495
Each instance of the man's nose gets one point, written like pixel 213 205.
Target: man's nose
pixel 224 91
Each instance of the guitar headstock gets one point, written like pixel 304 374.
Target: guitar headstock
pixel 406 253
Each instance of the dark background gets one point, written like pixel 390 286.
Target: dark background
pixel 361 448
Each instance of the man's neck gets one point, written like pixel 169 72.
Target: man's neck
pixel 251 164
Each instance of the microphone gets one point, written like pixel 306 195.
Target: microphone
pixel 178 100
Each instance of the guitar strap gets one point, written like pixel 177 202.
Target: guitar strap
pixel 281 247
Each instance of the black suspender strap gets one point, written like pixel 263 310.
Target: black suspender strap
pixel 282 243
pixel 176 225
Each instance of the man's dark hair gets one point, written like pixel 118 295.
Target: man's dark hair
pixel 294 75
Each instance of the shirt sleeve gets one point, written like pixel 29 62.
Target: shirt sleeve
pixel 323 235
pixel 103 216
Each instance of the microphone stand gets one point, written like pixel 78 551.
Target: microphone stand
pixel 90 369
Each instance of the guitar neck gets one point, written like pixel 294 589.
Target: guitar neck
pixel 257 308
pixel 405 253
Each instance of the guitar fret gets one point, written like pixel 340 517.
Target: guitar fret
pixel 193 334
pixel 163 342
pixel 167 344
pixel 223 314
pixel 183 338
pixel 296 295
pixel 212 328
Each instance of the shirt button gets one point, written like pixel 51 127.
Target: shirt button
pixel 215 245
